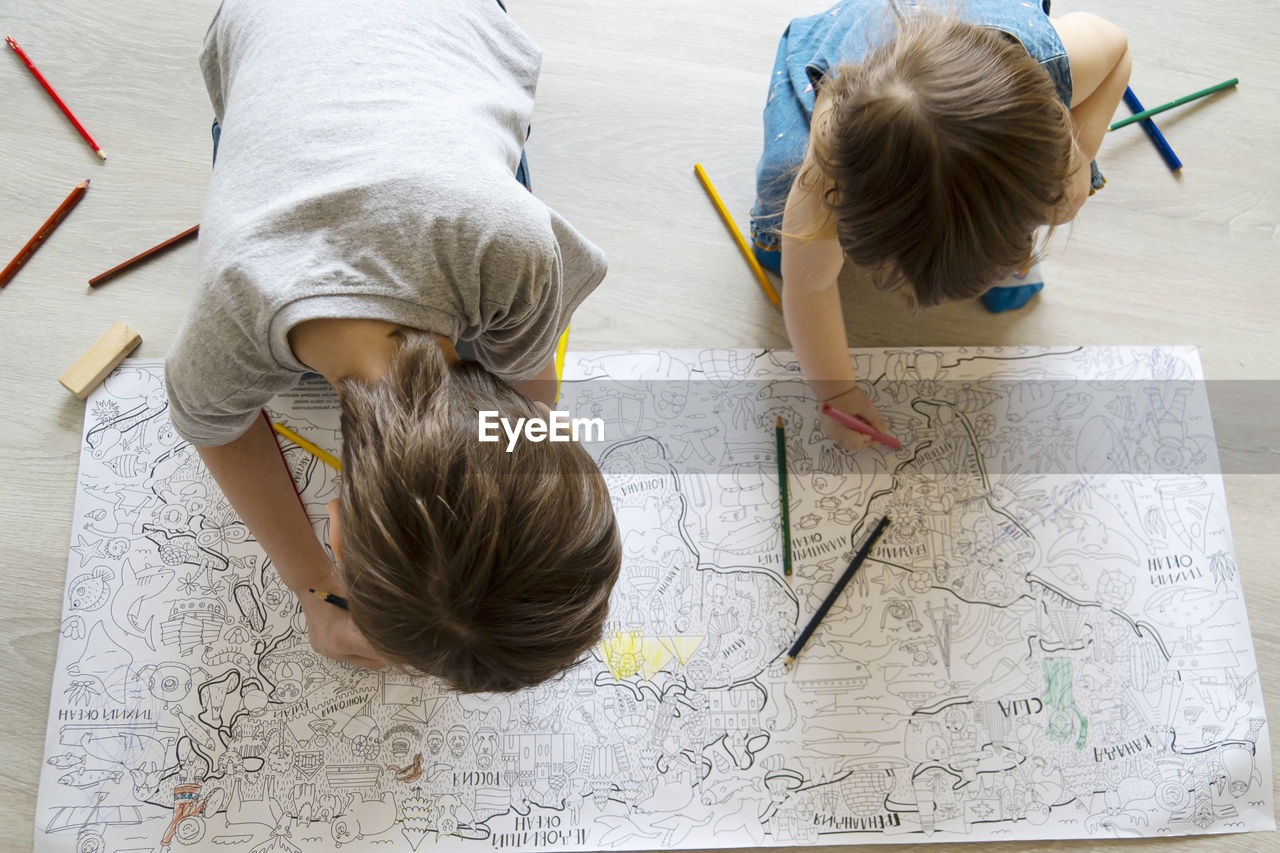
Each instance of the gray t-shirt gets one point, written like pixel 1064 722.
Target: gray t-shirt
pixel 366 170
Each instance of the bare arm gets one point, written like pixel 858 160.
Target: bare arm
pixel 1098 52
pixel 541 388
pixel 811 306
pixel 255 480
pixel 812 311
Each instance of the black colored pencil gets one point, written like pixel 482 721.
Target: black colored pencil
pixel 780 438
pixel 858 559
pixel 330 598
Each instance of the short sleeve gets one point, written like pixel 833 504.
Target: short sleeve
pixel 217 378
pixel 557 277
pixel 212 65
pixel 209 423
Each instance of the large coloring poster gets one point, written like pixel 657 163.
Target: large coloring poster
pixel 1049 641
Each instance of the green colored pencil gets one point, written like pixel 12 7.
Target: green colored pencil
pixel 1179 102
pixel 780 436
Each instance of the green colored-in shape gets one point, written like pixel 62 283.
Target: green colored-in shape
pixel 1058 697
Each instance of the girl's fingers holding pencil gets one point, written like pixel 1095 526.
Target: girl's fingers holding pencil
pixel 858 404
pixel 845 437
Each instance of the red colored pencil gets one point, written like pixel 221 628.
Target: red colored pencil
pixel 45 230
pixel 52 94
pixel 283 460
pixel 99 279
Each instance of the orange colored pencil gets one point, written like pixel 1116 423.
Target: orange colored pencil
pixel 99 279
pixel 45 230
pixel 62 105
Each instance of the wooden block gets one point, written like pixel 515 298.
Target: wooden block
pixel 93 367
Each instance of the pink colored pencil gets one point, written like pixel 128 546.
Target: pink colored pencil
pixel 35 72
pixel 858 425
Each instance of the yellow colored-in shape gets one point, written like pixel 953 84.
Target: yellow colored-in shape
pixel 627 653
pixel 622 653
pixel 683 645
pixel 654 654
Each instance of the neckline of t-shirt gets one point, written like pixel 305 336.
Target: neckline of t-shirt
pixel 364 306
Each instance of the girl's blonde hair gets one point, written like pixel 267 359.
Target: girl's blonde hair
pixel 938 156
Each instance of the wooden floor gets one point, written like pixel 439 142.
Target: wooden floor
pixel 632 94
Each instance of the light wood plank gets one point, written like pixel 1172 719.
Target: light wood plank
pixel 100 359
pixel 632 94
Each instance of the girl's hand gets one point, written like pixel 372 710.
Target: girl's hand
pixel 333 633
pixel 858 404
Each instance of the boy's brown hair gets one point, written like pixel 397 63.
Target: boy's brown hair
pixel 941 153
pixel 488 569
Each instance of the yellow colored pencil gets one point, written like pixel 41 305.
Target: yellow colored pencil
pixel 316 451
pixel 561 348
pixel 737 236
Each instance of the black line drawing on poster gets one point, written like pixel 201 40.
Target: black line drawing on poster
pixel 1049 642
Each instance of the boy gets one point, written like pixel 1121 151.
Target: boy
pixel 364 217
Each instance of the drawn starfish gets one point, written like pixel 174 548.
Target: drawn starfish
pixel 85 549
pixel 892 578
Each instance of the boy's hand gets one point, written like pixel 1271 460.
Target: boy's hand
pixel 334 635
pixel 858 404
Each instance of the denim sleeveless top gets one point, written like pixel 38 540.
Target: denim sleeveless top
pixel 811 47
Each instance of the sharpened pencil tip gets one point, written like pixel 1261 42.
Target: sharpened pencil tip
pixel 789 662
pixel 101 154
pixel 779 421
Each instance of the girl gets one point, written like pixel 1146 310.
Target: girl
pixel 928 160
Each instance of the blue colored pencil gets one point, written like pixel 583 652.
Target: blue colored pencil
pixel 858 559
pixel 1157 138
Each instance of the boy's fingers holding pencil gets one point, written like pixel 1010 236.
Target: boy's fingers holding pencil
pixel 333 634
